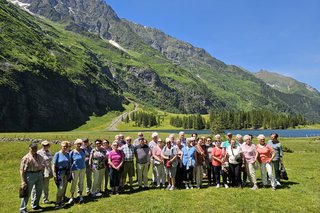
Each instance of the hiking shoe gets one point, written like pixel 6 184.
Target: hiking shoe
pixel 190 186
pixel 80 199
pixel 278 183
pixel 70 201
pixel 187 187
pixel 226 186
pixel 218 186
pixel 273 188
pixel 172 188
pixel 168 187
pixel 255 187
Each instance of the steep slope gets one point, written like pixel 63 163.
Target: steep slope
pixel 161 71
pixel 45 84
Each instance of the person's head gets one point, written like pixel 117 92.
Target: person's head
pixel 261 139
pixel 33 148
pixel 140 135
pixel 45 145
pixel 64 146
pixel 218 143
pixel 128 140
pixel 247 139
pixel 251 136
pixel 195 135
pixel 217 137
pixel 117 138
pixel 85 142
pixel 160 142
pixel 171 136
pixel 115 145
pixel 141 141
pixel 178 142
pixel 200 141
pixel 154 136
pixel 209 140
pixel 188 142
pixel 121 137
pixel 229 136
pixel 105 143
pixel 78 143
pixel 168 142
pixel 181 135
pixel 145 141
pixel 69 146
pixel 274 136
pixel 239 138
pixel 233 142
pixel 98 143
pixel 193 141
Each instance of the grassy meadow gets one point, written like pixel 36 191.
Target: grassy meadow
pixel 300 194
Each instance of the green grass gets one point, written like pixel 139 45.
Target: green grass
pixel 300 194
pixel 314 126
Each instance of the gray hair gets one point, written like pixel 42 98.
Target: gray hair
pixel 246 137
pixel 261 136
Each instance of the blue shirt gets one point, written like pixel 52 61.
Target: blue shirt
pixel 188 156
pixel 61 160
pixel 77 159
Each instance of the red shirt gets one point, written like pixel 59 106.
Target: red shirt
pixel 264 153
pixel 216 152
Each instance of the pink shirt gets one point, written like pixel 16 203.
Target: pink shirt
pixel 156 151
pixel 264 153
pixel 249 152
pixel 116 157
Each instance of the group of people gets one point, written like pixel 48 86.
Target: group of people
pixel 181 162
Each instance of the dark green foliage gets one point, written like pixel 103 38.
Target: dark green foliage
pixel 144 119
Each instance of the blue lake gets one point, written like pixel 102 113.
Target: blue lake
pixel 298 133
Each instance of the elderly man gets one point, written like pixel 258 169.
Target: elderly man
pixel 151 145
pixel 182 138
pixel 136 142
pixel 121 141
pixel 128 165
pixel 31 174
pixel 142 154
pixel 47 174
pixel 87 150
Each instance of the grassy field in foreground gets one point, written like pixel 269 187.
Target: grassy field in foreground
pixel 300 194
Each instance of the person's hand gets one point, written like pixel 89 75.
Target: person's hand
pixel 23 184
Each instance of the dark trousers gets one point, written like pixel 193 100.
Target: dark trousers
pixel 179 175
pixel 210 173
pixel 217 172
pixel 244 175
pixel 235 174
pixel 114 177
pixel 188 174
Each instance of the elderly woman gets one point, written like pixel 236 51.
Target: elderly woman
pixel 159 163
pixel 61 171
pixel 188 160
pixel 235 158
pixel 87 150
pixel 200 157
pixel 217 158
pixel 78 167
pixel 107 148
pixel 209 147
pixel 179 173
pixel 169 154
pixel 97 163
pixel 115 162
pixel 250 155
pixel 265 157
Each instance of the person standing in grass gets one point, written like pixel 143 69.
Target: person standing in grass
pixel 87 150
pixel 235 158
pixel 250 157
pixel 107 149
pixel 200 157
pixel 210 173
pixel 47 173
pixel 142 154
pixel 188 160
pixel 217 160
pixel 61 172
pixel 78 167
pixel 151 144
pixel 31 174
pixel 115 162
pixel 265 157
pixel 182 138
pixel 97 163
pixel 159 163
pixel 169 154
pixel 179 173
pixel 277 160
pixel 128 164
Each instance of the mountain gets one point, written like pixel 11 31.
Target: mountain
pixel 88 46
pixel 286 84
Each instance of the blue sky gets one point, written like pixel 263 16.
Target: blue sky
pixel 280 36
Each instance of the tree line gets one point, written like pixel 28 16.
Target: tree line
pixel 143 119
pixel 255 119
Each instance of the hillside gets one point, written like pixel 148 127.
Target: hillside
pixel 98 55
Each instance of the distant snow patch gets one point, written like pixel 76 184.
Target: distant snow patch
pixel 22 5
pixel 114 43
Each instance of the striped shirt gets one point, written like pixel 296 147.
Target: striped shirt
pixel 128 151
pixel 32 163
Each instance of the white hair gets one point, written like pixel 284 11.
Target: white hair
pixel 238 136
pixel 217 136
pixel 261 136
pixel 246 137
pixel 155 134
pixel 181 133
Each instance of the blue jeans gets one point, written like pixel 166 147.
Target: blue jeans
pixel 32 179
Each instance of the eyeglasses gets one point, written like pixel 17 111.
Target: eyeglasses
pixel 65 146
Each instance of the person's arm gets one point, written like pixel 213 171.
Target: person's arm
pixel 91 159
pixel 120 163
pixel 162 154
pixel 273 154
pixel 154 155
pixel 280 152
pixel 22 173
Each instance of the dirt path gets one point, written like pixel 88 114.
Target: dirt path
pixel 116 121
